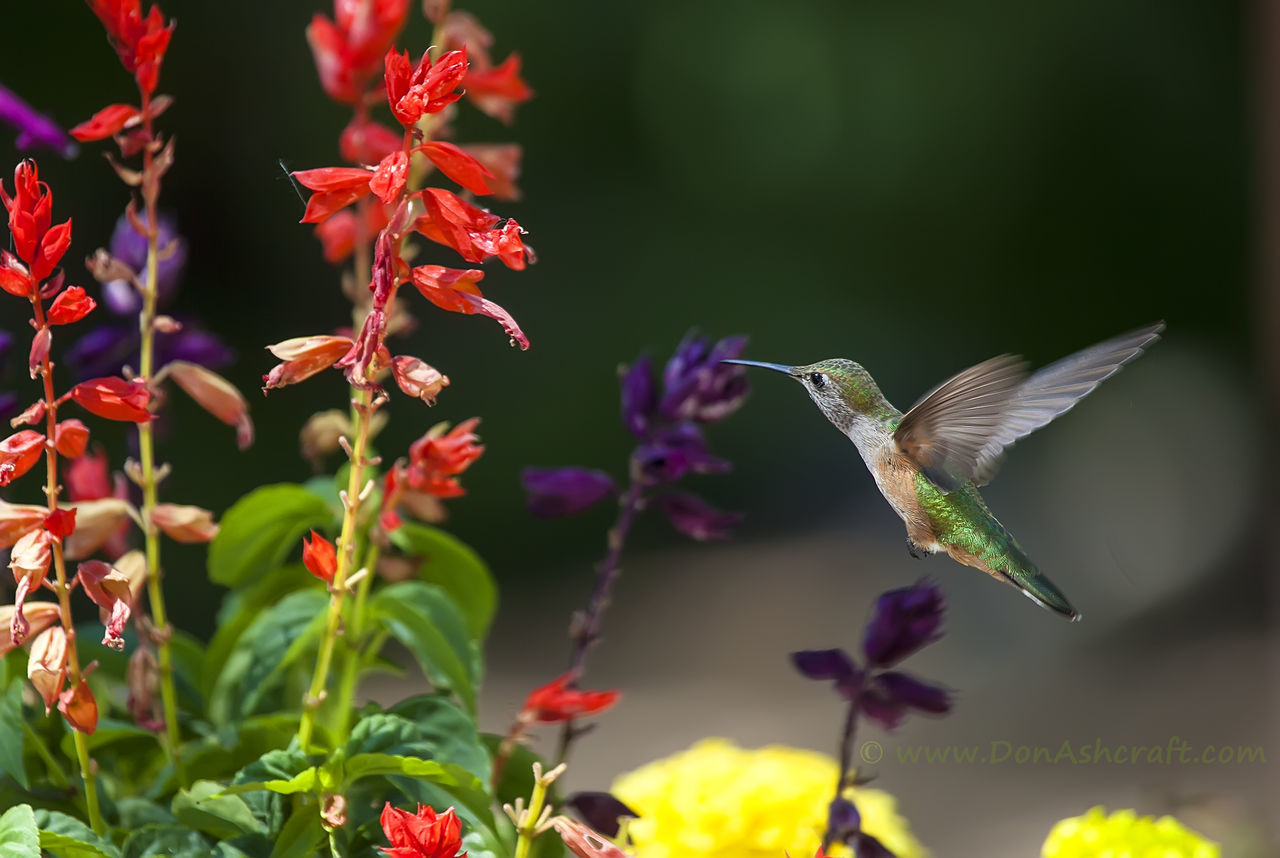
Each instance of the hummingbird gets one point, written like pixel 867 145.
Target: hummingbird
pixel 929 462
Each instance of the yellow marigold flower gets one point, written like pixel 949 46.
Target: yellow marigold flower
pixel 716 800
pixel 1126 834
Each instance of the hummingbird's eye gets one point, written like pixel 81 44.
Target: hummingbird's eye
pixel 818 379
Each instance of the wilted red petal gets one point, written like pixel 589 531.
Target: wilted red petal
pixel 583 841
pixel 455 290
pixel 19 454
pixel 388 180
pixel 502 160
pixel 556 702
pixel 304 357
pixel 114 398
pixel 320 557
pixel 39 616
pixel 107 121
pixel 79 708
pixel 458 165
pixel 70 306
pixel 184 523
pixel 39 353
pixel 98 522
pixel 418 379
pixel 109 589
pixel 71 438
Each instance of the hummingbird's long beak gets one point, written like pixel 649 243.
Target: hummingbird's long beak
pixel 776 367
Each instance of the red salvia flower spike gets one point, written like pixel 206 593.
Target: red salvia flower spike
pixel 139 40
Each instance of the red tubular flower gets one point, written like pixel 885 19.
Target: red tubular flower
pixel 15 278
pixel 111 119
pixel 304 357
pixel 19 454
pixel 556 702
pixel 428 87
pixel 140 41
pixel 37 243
pixel 335 188
pixel 70 306
pixel 455 290
pixel 366 142
pixel 320 557
pixel 499 90
pixel 425 834
pixel 348 49
pixel 470 230
pixel 458 165
pixel 114 398
pixel 390 176
pixel 438 457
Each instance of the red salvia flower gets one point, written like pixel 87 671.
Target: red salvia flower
pixel 114 398
pixel 36 242
pixel 111 119
pixel 320 557
pixel 455 290
pixel 348 49
pixel 15 278
pixel 335 188
pixel 16 520
pixel 437 458
pixel 71 437
pixel 413 91
pixel 70 306
pixel 556 702
pixel 60 523
pixel 140 41
pixel 19 454
pixel 458 165
pixel 80 708
pixel 390 176
pixel 470 230
pixel 366 142
pixel 499 90
pixel 109 589
pixel 425 834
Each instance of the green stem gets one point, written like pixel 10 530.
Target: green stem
pixel 528 828
pixel 356 648
pixel 146 451
pixel 346 557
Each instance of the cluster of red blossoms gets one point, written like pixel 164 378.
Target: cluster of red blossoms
pixel 425 834
pixel 140 41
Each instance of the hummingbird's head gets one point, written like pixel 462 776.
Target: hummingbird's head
pixel 841 389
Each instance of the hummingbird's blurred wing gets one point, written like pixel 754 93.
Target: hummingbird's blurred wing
pixel 938 433
pixel 947 430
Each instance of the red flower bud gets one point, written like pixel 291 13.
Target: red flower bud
pixel 19 454
pixel 71 437
pixel 320 557
pixel 70 306
pixel 114 398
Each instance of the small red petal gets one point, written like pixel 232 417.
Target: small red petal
pixel 458 165
pixel 320 557
pixel 389 179
pixel 114 399
pixel 107 121
pixel 70 306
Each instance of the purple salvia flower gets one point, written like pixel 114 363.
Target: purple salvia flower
pixel 639 397
pixel 904 621
pixel 600 810
pixel 820 664
pixel 35 130
pixel 554 492
pixel 696 518
pixel 130 247
pixel 914 693
pixel 697 386
pixel 676 452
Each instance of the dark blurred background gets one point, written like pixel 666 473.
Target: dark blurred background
pixel 917 186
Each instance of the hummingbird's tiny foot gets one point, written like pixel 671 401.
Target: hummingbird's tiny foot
pixel 915 550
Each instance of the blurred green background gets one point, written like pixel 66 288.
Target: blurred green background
pixel 917 186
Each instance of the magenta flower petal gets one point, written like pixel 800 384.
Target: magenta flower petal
pixel 639 396
pixel 696 518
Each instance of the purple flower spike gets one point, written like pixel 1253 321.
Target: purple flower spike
pixel 697 386
pixel 35 130
pixel 555 492
pixel 914 694
pixel 130 247
pixel 904 621
pixel 639 397
pixel 600 810
pixel 696 518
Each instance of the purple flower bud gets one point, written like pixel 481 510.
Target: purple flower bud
pixel 130 247
pixel 696 518
pixel 555 492
pixel 35 130
pixel 913 693
pixel 697 386
pixel 843 821
pixel 866 846
pixel 121 297
pixel 639 398
pixel 675 452
pixel 600 810
pixel 904 621
pixel 824 664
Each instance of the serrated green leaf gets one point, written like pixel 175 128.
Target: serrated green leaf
pixel 423 618
pixel 441 731
pixel 301 836
pixel 453 566
pixel 274 640
pixel 444 774
pixel 19 836
pixel 64 836
pixel 172 841
pixel 11 762
pixel 202 807
pixel 261 529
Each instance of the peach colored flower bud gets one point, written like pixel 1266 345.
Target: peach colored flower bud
pixel 40 350
pixel 216 395
pixel 47 664
pixel 79 708
pixel 31 556
pixel 16 520
pixel 133 566
pixel 185 523
pixel 304 357
pixel 109 590
pixel 319 436
pixel 418 379
pixel 166 325
pixel 40 615
pixel 96 522
pixel 71 437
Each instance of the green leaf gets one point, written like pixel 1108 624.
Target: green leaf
pixel 136 812
pixel 173 841
pixel 64 836
pixel 274 640
pixel 312 781
pixel 441 731
pixel 453 566
pixel 423 618
pixel 261 529
pixel 224 816
pixel 19 837
pixel 445 774
pixel 283 771
pixel 11 728
pixel 301 836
